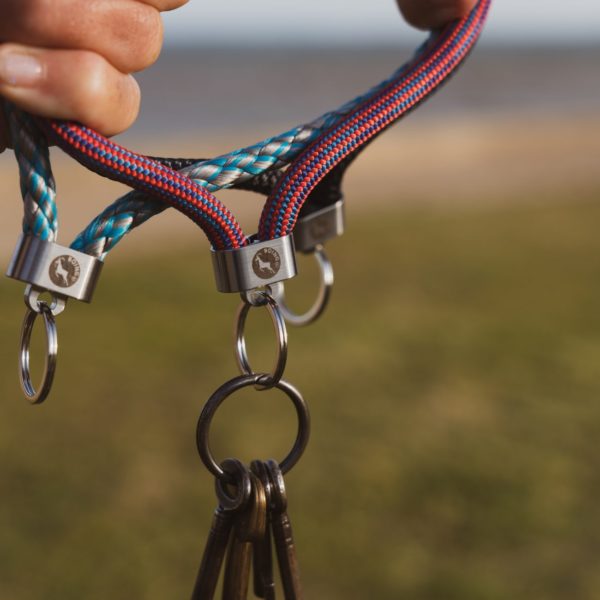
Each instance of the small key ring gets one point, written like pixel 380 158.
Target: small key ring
pixel 323 297
pixel 238 383
pixel 239 475
pixel 38 396
pixel 255 299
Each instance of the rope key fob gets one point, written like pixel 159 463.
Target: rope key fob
pixel 300 171
pixel 62 272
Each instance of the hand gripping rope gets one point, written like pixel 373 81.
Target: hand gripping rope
pixel 300 171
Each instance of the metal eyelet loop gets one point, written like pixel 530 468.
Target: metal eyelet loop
pixel 261 298
pixel 33 302
pixel 238 383
pixel 322 300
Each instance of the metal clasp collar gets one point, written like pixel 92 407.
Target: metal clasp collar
pixel 62 272
pixel 57 269
pixel 320 226
pixel 254 266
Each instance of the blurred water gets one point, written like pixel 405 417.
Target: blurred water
pixel 211 89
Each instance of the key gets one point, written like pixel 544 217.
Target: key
pixel 250 525
pixel 264 582
pixel 282 535
pixel 230 503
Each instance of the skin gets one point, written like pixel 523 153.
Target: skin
pixel 82 53
pixel 429 14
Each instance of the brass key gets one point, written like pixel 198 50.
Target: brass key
pixel 264 582
pixel 230 503
pixel 282 535
pixel 250 526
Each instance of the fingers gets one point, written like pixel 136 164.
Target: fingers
pixel 128 33
pixel 164 5
pixel 69 84
pixel 430 14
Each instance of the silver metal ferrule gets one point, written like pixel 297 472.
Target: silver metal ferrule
pixel 319 227
pixel 256 265
pixel 58 269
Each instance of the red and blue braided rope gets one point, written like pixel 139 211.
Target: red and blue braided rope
pixel 111 160
pixel 434 67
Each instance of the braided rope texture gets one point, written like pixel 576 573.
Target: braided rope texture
pixel 369 120
pixel 276 152
pixel 234 169
pixel 38 187
pixel 115 162
pixel 319 146
pixel 115 221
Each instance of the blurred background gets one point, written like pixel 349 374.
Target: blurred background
pixel 454 382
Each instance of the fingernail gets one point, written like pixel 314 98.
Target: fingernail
pixel 19 70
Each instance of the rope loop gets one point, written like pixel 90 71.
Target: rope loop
pixel 311 151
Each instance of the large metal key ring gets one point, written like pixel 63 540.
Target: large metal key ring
pixel 238 383
pixel 320 304
pixel 264 381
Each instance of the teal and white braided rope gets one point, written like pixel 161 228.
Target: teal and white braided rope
pixel 134 208
pixel 38 187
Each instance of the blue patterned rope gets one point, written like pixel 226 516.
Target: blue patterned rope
pixel 367 121
pixel 194 198
pixel 38 187
pixel 134 209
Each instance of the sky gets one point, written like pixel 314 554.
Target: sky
pixel 368 22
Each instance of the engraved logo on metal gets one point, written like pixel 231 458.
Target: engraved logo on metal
pixel 266 263
pixel 64 271
pixel 321 229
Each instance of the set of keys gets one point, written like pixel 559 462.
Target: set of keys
pixel 252 512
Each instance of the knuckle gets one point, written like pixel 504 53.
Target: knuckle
pixel 91 83
pixel 147 27
pixel 127 96
pixel 106 99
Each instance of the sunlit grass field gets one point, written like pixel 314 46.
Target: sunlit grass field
pixel 454 386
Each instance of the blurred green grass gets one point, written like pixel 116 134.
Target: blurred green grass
pixel 454 387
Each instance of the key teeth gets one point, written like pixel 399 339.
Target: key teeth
pixel 242 537
pixel 214 554
pixel 283 535
pixel 264 584
pixel 220 534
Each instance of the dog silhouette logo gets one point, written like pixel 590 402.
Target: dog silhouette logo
pixel 321 229
pixel 266 263
pixel 64 271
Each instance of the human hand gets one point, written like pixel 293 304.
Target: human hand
pixel 429 14
pixel 73 59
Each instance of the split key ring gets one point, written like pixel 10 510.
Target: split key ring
pixel 261 298
pixel 35 309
